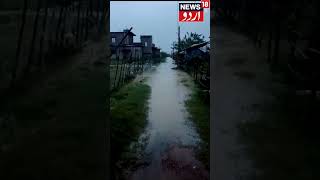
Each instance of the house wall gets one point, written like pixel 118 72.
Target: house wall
pixel 146 40
pixel 137 52
pixel 118 37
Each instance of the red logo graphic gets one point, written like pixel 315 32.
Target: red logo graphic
pixel 205 3
pixel 190 12
pixel 190 16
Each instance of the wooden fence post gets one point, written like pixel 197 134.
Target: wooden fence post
pixel 115 77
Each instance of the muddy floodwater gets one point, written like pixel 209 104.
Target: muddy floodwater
pixel 170 141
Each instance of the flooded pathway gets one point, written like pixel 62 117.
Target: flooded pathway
pixel 170 138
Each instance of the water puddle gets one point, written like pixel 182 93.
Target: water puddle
pixel 168 145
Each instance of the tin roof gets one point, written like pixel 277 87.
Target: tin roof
pixel 195 46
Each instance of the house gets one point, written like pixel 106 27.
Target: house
pixel 196 51
pixel 125 49
pixel 137 50
pixel 146 41
pixel 155 51
pixel 192 53
pixel 129 49
pixel 116 37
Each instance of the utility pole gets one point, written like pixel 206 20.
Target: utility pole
pixel 179 40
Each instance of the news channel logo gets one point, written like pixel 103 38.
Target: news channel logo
pixel 192 11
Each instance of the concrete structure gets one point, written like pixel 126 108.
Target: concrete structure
pixel 146 41
pixel 125 49
pixel 116 37
pixel 129 49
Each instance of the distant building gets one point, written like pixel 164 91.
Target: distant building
pixel 146 40
pixel 138 48
pixel 155 51
pixel 129 49
pixel 193 53
pixel 196 51
pixel 126 48
pixel 116 37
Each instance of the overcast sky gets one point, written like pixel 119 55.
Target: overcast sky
pixel 156 18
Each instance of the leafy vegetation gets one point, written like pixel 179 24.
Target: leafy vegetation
pixel 197 105
pixel 128 116
pixel 188 40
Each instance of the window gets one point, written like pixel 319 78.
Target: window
pixel 113 40
pixel 145 44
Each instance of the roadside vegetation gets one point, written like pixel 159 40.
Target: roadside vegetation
pixel 198 105
pixel 128 117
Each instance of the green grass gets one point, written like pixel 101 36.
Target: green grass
pixel 128 116
pixel 198 107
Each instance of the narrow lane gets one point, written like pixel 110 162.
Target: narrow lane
pixel 170 136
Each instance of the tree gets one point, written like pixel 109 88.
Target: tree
pixel 188 40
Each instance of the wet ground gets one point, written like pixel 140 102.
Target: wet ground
pixel 170 140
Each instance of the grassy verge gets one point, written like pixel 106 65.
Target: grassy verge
pixel 128 116
pixel 198 107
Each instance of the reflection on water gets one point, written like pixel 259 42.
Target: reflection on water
pixel 169 134
pixel 167 113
